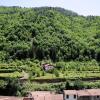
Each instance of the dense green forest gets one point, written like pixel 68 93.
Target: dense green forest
pixel 32 36
pixel 48 33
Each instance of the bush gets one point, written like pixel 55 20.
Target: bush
pixel 11 87
pixel 56 73
pixel 2 84
pixel 60 65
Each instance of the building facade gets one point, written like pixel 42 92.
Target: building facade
pixel 88 94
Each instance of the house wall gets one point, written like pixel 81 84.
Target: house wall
pixel 96 98
pixel 71 97
pixel 89 98
pixel 84 98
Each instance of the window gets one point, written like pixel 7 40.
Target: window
pixel 97 96
pixel 74 96
pixel 67 96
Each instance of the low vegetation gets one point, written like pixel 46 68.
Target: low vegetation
pixel 59 87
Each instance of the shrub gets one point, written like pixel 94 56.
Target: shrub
pixel 56 73
pixel 60 65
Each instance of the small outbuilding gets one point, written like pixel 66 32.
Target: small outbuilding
pixel 47 67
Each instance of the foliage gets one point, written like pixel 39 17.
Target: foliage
pixel 11 87
pixel 59 87
pixel 48 33
pixel 32 36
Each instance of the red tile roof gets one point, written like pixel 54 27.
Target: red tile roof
pixel 85 92
pixel 10 98
pixel 70 92
pixel 49 97
pixel 46 95
pixel 94 92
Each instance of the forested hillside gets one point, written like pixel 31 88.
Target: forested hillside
pixel 48 33
pixel 31 37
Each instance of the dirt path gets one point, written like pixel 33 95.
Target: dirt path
pixel 25 76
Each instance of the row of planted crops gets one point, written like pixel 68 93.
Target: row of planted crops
pixel 67 70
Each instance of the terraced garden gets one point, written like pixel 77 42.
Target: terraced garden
pixel 8 71
pixel 34 77
pixel 72 75
pixel 62 70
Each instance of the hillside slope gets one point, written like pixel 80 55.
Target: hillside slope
pixel 48 33
pixel 32 37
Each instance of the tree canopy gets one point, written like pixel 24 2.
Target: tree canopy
pixel 48 33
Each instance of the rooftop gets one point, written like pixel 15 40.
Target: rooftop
pixel 46 95
pixel 70 92
pixel 94 91
pixel 10 98
pixel 85 92
pixel 35 93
